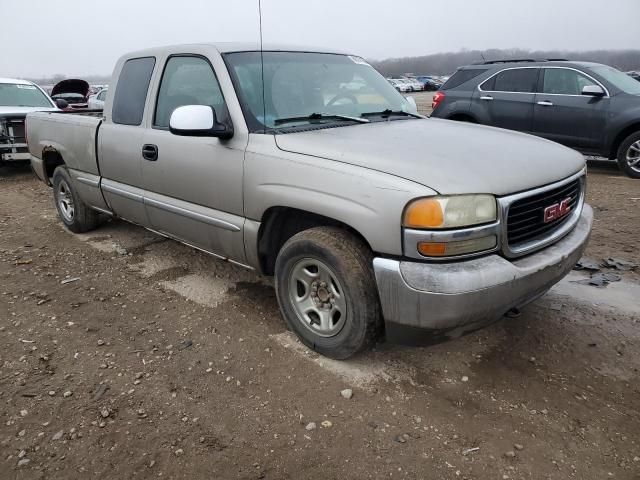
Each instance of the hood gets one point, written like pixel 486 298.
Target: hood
pixel 71 85
pixel 446 156
pixel 10 111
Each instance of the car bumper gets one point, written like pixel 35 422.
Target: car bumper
pixel 14 153
pixel 427 302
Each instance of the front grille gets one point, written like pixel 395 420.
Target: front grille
pixel 13 129
pixel 525 218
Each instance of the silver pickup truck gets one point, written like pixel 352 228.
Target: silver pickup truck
pixel 310 167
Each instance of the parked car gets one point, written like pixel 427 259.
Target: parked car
pixel 372 218
pixel 587 106
pixel 415 85
pixel 400 85
pixel 74 92
pixel 97 101
pixel 17 98
pixel 429 84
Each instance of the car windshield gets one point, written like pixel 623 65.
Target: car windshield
pixel 621 80
pixel 21 95
pixel 301 84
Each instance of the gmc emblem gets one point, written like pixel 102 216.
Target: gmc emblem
pixel 557 210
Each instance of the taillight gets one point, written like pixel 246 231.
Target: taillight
pixel 437 99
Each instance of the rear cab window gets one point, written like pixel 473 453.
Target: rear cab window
pixel 513 80
pixel 131 91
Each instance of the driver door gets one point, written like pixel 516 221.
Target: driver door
pixel 193 185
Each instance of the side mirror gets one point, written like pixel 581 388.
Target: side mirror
pixel 593 91
pixel 62 104
pixel 198 121
pixel 413 107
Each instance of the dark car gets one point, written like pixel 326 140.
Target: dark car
pixel 430 84
pixel 587 106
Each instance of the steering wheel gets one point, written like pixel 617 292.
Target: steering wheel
pixel 342 95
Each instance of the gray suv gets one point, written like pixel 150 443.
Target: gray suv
pixel 587 106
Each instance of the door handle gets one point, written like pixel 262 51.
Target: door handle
pixel 545 103
pixel 150 152
pixel 488 98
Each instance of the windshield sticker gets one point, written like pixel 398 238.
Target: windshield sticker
pixel 27 87
pixel 358 60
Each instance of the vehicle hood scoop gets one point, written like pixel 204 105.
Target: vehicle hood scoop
pixel 446 156
pixel 71 85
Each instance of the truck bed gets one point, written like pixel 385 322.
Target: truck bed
pixel 71 134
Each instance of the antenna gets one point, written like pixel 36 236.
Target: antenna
pixel 264 104
pixel 483 59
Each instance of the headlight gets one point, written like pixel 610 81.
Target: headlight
pixel 450 211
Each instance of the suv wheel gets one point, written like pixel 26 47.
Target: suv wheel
pixel 629 155
pixel 73 212
pixel 327 291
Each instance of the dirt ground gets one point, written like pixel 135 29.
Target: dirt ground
pixel 124 355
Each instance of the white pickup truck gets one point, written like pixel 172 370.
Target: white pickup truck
pixel 375 221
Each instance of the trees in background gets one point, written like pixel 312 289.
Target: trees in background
pixel 447 63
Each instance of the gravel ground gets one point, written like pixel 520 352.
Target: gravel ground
pixel 126 355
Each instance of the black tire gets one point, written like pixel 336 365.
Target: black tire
pixel 351 262
pixel 80 218
pixel 628 152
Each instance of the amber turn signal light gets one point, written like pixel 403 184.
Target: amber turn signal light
pixel 424 213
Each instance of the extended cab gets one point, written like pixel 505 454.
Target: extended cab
pixel 373 219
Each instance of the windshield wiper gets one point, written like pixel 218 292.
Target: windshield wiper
pixel 388 112
pixel 320 116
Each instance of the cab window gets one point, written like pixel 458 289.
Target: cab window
pixel 187 80
pixel 131 91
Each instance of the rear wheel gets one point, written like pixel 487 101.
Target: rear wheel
pixel 629 155
pixel 73 212
pixel 327 291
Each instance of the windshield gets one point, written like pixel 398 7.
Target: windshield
pixel 20 95
pixel 299 84
pixel 621 80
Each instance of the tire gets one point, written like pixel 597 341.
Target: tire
pixel 73 212
pixel 628 153
pixel 350 321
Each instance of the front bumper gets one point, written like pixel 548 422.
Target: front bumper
pixel 428 302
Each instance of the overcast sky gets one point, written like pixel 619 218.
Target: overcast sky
pixel 77 37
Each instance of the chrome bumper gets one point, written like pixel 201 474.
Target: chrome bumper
pixel 423 301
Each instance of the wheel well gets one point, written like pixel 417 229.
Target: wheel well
pixel 613 153
pixel 463 117
pixel 52 159
pixel 279 224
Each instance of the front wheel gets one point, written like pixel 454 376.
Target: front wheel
pixel 629 155
pixel 327 291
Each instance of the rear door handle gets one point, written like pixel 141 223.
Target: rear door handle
pixel 545 103
pixel 150 152
pixel 488 98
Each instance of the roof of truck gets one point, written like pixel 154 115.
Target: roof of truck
pixel 16 80
pixel 228 47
